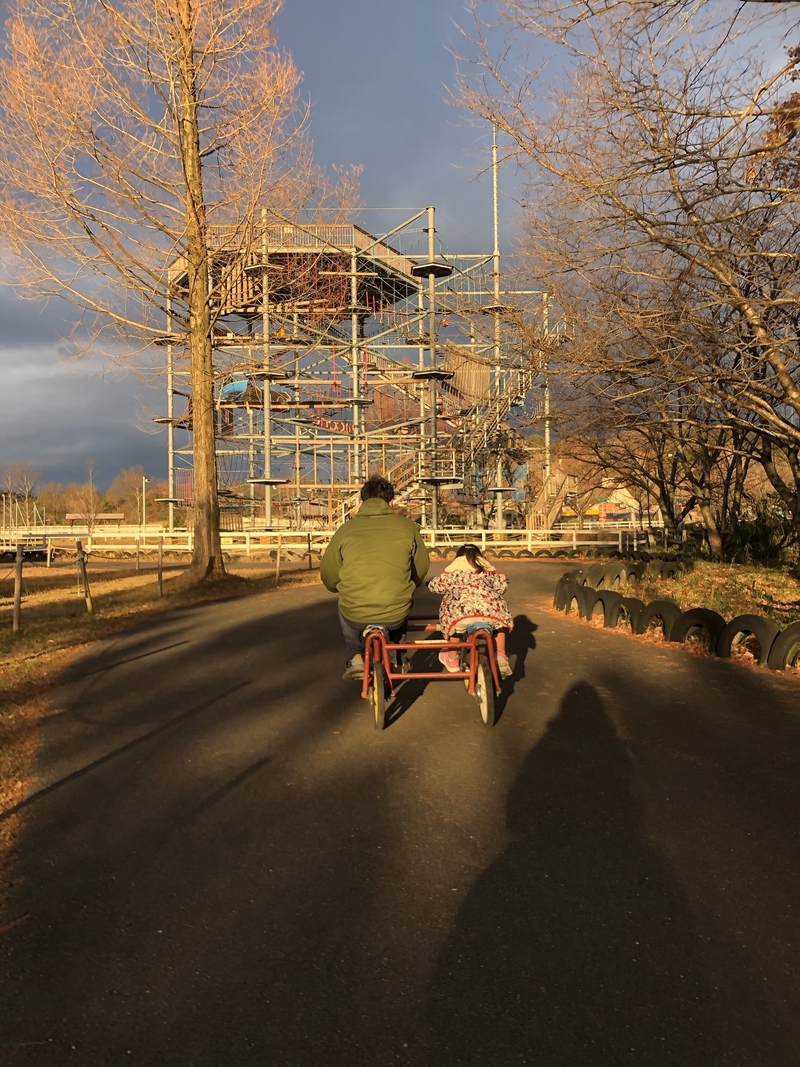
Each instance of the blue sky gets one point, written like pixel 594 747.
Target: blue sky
pixel 376 72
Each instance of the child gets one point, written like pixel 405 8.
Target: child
pixel 472 590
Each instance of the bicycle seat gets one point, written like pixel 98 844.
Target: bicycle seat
pixel 474 627
pixel 373 626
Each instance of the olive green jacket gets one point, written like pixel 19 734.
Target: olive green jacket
pixel 374 562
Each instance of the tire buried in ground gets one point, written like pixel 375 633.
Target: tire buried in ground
pixel 615 574
pixel 698 619
pixel 665 610
pixel 525 553
pixel 764 630
pixel 785 651
pixel 544 553
pixel 612 602
pixel 633 608
pixel 594 574
pixel 566 590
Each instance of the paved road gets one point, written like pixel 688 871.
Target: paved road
pixel 225 864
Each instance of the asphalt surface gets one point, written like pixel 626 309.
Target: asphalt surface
pixel 224 864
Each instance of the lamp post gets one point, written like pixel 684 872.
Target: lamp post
pixel 144 508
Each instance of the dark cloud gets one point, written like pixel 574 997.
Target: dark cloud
pixel 376 72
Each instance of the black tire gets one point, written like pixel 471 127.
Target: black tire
pixel 785 651
pixel 671 570
pixel 575 553
pixel 484 692
pixel 576 593
pixel 653 569
pixel 614 575
pixel 525 553
pixel 566 589
pixel 612 602
pixel 698 619
pixel 505 553
pixel 633 608
pixel 378 696
pixel 558 593
pixel 594 574
pixel 542 553
pixel 636 571
pixel 665 610
pixel 561 553
pixel 764 630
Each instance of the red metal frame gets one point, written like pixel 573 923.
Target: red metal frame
pixel 377 648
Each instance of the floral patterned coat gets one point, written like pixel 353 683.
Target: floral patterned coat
pixel 469 595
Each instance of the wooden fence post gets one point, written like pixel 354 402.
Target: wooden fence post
pixel 278 560
pixel 161 566
pixel 309 551
pixel 49 551
pixel 138 563
pixel 17 590
pixel 87 593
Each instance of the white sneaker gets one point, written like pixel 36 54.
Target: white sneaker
pixel 354 671
pixel 504 668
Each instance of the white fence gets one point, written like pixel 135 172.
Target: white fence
pixel 302 543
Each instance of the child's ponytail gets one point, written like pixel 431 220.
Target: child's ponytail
pixel 474 557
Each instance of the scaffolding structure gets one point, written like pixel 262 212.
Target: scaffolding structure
pixel 337 355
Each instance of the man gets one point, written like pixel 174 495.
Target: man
pixel 374 562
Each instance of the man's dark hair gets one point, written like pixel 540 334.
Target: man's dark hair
pixel 377 486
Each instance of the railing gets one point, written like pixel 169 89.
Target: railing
pixel 301 543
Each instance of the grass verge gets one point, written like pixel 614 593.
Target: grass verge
pixel 730 589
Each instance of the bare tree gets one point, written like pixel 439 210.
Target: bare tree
pixel 665 218
pixel 86 499
pixel 132 133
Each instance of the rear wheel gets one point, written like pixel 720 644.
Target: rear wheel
pixel 378 696
pixel 484 691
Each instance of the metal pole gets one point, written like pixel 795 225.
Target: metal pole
pixel 17 590
pixel 161 566
pixel 267 389
pixel 170 416
pixel 546 335
pixel 432 361
pixel 144 510
pixel 499 523
pixel 354 341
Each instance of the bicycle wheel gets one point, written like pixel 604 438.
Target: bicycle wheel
pixel 378 696
pixel 484 692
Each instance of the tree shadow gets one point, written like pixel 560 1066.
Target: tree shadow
pixel 575 947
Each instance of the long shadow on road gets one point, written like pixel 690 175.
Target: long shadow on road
pixel 576 947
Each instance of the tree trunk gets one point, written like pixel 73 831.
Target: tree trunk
pixel 207 555
pixel 712 530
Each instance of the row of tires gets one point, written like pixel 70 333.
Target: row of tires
pixel 619 573
pixel 777 649
pixel 509 553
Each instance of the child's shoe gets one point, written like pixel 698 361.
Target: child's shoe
pixel 503 666
pixel 354 670
pixel 450 661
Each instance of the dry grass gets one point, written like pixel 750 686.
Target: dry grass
pixel 55 628
pixel 730 589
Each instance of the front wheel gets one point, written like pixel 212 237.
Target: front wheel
pixel 484 692
pixel 378 696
